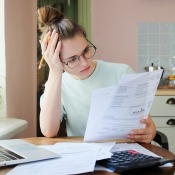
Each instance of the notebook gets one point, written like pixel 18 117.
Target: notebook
pixel 17 151
pixel 122 161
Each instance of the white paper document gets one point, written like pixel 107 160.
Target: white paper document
pixel 116 110
pixel 75 158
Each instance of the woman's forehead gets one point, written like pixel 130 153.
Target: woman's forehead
pixel 73 46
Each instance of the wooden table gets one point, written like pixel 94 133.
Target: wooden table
pixel 153 171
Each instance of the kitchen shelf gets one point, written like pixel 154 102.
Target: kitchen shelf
pixel 165 91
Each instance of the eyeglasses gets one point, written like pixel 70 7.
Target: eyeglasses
pixel 88 53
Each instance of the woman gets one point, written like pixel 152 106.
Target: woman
pixel 69 93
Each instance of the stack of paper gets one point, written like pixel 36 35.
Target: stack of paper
pixel 75 158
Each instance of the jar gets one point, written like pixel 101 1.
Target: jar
pixel 171 79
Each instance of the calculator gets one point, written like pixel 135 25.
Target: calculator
pixel 126 160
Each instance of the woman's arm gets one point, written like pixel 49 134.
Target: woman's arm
pixel 51 105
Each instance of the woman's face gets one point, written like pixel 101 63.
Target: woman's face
pixel 75 47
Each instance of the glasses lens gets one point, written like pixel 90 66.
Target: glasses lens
pixel 89 52
pixel 73 62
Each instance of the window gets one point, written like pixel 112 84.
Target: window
pixel 2 63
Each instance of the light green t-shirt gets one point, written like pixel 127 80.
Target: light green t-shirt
pixel 76 94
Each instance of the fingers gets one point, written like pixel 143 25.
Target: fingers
pixel 53 43
pixel 140 135
pixel 143 135
pixel 44 43
pixel 53 40
pixel 49 41
pixel 49 45
pixel 140 138
pixel 146 122
pixel 58 47
pixel 51 51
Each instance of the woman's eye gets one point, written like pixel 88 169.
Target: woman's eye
pixel 72 59
pixel 86 50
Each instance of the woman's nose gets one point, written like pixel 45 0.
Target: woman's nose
pixel 83 60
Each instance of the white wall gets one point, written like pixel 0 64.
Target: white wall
pixel 2 63
pixel 114 26
pixel 21 61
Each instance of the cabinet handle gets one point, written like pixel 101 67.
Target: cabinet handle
pixel 171 101
pixel 171 122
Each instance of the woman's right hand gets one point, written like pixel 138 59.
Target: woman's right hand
pixel 51 52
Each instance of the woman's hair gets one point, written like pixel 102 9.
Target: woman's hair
pixel 50 18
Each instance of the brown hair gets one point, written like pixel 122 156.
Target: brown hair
pixel 50 18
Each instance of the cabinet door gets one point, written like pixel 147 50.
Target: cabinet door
pixel 161 108
pixel 168 129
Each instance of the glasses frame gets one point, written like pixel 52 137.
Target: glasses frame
pixel 78 57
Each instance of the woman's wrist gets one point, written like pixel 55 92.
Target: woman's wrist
pixel 55 74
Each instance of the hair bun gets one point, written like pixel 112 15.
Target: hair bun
pixel 48 15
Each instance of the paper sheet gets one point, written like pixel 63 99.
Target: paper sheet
pixel 116 110
pixel 104 148
pixel 74 161
pixel 75 158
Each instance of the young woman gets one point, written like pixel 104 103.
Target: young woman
pixel 69 93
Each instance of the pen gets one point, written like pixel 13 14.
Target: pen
pixel 42 58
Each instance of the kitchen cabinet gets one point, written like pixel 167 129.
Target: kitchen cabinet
pixel 163 114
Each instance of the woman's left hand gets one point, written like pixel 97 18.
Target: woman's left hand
pixel 144 135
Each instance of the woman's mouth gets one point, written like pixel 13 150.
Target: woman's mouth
pixel 86 69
